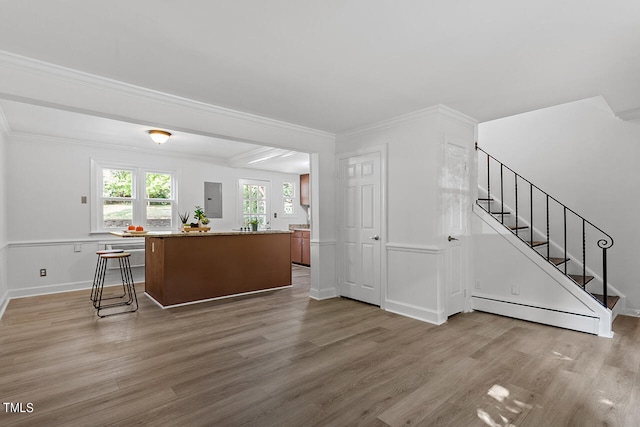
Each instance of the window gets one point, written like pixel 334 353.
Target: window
pixel 117 198
pixel 255 202
pixel 158 200
pixel 288 193
pixel 126 195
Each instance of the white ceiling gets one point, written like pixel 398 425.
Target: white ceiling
pixel 335 65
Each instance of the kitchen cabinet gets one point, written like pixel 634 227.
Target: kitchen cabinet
pixel 305 195
pixel 188 267
pixel 301 247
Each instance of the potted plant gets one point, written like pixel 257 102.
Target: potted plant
pixel 184 217
pixel 254 224
pixel 200 216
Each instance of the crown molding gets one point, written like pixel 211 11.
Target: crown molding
pixel 28 137
pixel 398 120
pixel 34 66
pixel 629 115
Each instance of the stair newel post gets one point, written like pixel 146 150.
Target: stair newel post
pixel 584 255
pixel 488 182
pixel 605 244
pixel 565 239
pixel 531 212
pixel 604 277
pixel 548 237
pixel 515 176
pixel 502 192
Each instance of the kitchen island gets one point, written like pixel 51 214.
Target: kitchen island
pixel 183 268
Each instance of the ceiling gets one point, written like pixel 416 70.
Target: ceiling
pixel 335 65
pixel 28 119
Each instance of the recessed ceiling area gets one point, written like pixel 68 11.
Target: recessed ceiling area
pixel 29 119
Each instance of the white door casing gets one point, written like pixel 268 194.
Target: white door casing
pixel 455 198
pixel 359 227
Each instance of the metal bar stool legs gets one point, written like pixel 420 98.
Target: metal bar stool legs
pixel 130 302
pixel 98 276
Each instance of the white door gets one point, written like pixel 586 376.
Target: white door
pixel 456 204
pixel 359 229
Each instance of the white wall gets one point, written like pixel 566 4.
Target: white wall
pixel 48 178
pixel 416 239
pixel 3 220
pixel 587 158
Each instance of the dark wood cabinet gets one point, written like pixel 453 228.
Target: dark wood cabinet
pixel 301 247
pixel 305 195
pixel 195 267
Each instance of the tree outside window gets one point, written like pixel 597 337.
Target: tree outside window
pixel 288 198
pixel 158 200
pixel 254 202
pixel 117 198
pixel 125 200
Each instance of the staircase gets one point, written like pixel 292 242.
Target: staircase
pixel 561 237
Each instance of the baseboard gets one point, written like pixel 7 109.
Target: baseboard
pixel 4 302
pixel 324 294
pixel 633 312
pixel 415 312
pixel 50 289
pixel 215 298
pixel 560 319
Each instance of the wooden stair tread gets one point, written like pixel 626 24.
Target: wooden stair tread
pixel 520 227
pixel 500 213
pixel 582 281
pixel 557 261
pixel 485 200
pixel 612 300
pixel 534 243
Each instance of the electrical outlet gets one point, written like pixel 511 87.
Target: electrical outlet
pixel 477 284
pixel 77 247
pixel 43 272
pixel 515 289
pixel 275 214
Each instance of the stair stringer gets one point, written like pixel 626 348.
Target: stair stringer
pixel 594 287
pixel 545 295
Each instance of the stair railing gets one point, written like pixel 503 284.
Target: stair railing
pixel 604 242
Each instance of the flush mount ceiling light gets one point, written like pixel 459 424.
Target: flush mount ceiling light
pixel 159 136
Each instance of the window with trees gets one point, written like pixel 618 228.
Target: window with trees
pixel 133 196
pixel 288 197
pixel 255 202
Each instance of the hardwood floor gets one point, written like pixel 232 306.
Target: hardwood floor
pixel 282 359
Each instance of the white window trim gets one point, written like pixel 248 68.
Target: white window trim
pixel 294 197
pixel 267 184
pixel 139 194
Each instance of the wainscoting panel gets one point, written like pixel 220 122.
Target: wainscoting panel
pixel 67 270
pixel 4 287
pixel 415 282
pixel 323 270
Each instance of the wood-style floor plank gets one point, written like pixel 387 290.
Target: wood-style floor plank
pixel 282 359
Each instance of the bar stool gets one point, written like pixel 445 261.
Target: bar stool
pixel 98 276
pixel 127 284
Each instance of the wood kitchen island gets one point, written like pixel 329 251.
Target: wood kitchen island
pixel 183 268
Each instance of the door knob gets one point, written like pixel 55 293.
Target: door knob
pixel 451 238
pixel 376 237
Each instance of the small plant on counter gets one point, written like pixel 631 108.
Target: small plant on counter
pixel 200 216
pixel 254 224
pixel 184 217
